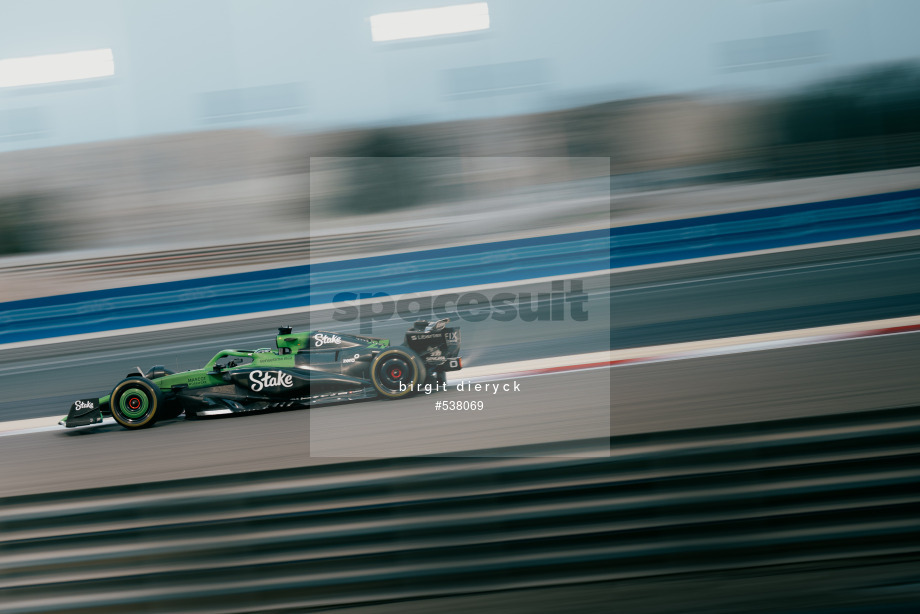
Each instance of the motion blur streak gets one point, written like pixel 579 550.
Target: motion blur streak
pixel 430 22
pixel 258 140
pixel 55 68
pixel 836 488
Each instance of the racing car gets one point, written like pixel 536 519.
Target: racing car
pixel 308 369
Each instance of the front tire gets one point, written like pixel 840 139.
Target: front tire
pixel 136 403
pixel 171 409
pixel 397 372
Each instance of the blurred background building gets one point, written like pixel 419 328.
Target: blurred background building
pixel 209 112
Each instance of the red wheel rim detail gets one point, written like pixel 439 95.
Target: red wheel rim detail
pixel 395 373
pixel 134 402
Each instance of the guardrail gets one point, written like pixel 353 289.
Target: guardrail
pixel 728 497
pixel 436 269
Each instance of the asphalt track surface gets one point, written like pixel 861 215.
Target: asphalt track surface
pixel 723 298
pixel 796 289
pixel 758 294
pixel 806 380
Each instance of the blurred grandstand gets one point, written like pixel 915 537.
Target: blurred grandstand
pixel 232 185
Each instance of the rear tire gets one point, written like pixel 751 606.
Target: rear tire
pixel 136 403
pixel 397 372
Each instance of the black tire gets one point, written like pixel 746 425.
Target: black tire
pixel 136 403
pixel 395 366
pixel 171 409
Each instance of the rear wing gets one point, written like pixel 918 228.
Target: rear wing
pixel 436 343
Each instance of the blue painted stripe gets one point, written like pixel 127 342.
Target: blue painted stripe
pixel 436 269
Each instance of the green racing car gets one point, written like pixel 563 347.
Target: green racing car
pixel 309 368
